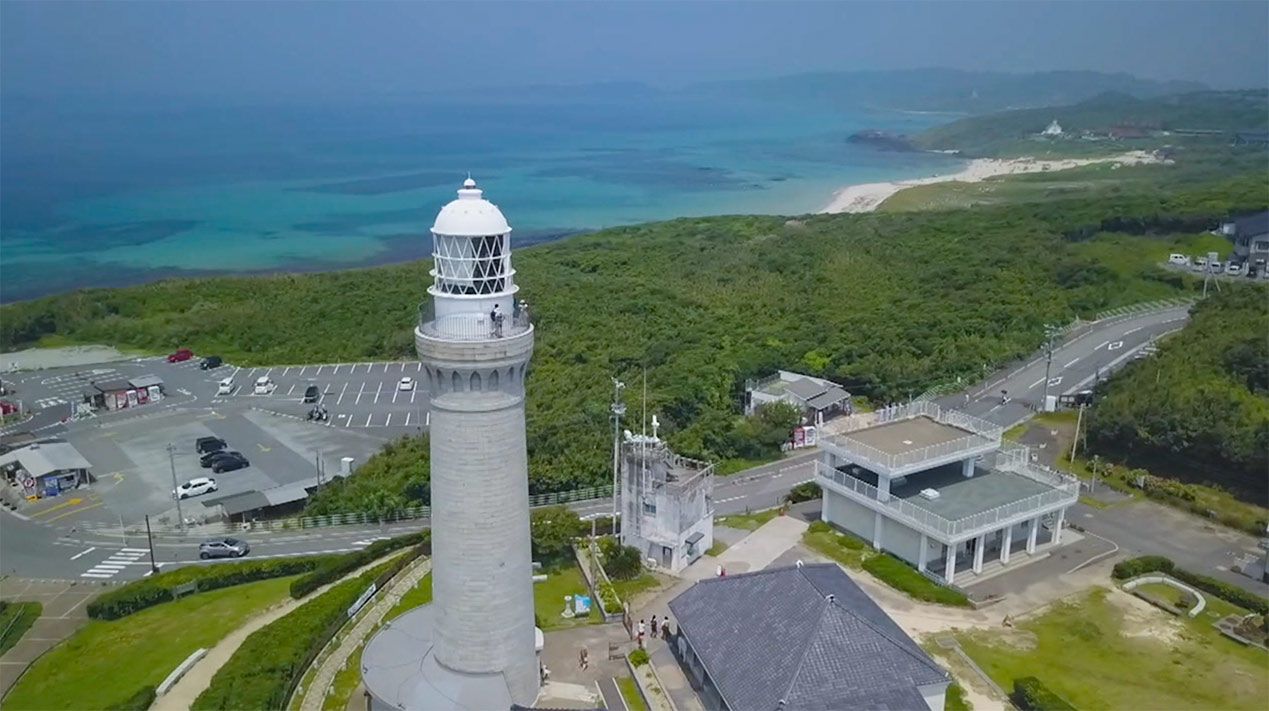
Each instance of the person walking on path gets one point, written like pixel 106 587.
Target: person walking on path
pixel 665 628
pixel 654 627
pixel 583 659
pixel 641 632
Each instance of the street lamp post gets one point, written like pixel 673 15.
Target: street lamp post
pixel 1049 332
pixel 154 569
pixel 180 516
pixel 618 409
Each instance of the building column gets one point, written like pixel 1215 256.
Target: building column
pixel 979 544
pixel 883 488
pixel 925 544
pixel 1031 531
pixel 826 507
pixel 1006 542
pixel 967 468
pixel 1057 530
pixel 877 523
pixel 949 573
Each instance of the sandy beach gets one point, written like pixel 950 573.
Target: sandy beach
pixel 866 197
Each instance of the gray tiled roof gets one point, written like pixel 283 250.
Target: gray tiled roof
pixel 1257 224
pixel 805 388
pixel 774 635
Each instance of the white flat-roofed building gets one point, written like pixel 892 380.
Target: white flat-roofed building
pixel 940 489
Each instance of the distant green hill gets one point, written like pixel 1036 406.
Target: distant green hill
pixel 1013 132
pixel 950 90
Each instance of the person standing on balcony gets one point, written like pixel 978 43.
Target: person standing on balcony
pixel 495 316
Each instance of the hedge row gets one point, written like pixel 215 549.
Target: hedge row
pixel 901 576
pixel 158 589
pixel 139 701
pixel 261 673
pixel 337 567
pixel 1133 567
pixel 1030 694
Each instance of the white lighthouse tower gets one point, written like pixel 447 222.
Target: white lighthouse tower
pixel 475 647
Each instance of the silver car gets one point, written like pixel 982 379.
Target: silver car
pixel 223 548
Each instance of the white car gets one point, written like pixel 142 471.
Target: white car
pixel 407 383
pixel 225 387
pixel 1179 259
pixel 264 386
pixel 1200 263
pixel 195 487
pixel 1233 268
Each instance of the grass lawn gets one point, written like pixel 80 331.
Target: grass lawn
pixel 1108 650
pixel 562 579
pixel 717 549
pixel 955 699
pixel 1164 593
pixel 627 590
pixel 15 619
pixel 747 522
pixel 841 547
pixel 630 694
pixel 728 467
pixel 420 594
pixel 106 662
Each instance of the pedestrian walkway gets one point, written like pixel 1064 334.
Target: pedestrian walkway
pixel 182 694
pixel 760 548
pixel 65 610
pixel 314 694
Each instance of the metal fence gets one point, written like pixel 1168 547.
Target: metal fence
pixel 981 433
pixel 473 326
pixel 930 523
pixel 1160 305
pixel 215 525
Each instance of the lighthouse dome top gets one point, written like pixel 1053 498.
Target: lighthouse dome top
pixel 471 215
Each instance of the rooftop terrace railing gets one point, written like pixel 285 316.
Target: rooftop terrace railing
pixel 979 433
pixel 471 326
pixel 933 524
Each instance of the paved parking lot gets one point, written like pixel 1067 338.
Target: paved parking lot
pixel 356 395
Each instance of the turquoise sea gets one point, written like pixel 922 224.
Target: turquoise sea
pixel 96 195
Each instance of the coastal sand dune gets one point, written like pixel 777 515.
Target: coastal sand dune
pixel 866 197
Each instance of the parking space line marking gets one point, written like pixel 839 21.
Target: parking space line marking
pixel 407 419
pixel 348 421
pixel 368 418
pixel 253 372
pixel 341 393
pixel 288 369
pixel 395 393
pixel 319 370
pixel 402 366
pixel 336 371
pixel 389 422
pixel 377 391
pixel 412 394
pixel 83 553
pixel 385 367
pixel 360 390
pixel 291 389
pixel 420 366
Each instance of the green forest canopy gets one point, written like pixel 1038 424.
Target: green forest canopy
pixel 1199 409
pixel 885 304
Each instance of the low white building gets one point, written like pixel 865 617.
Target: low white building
pixel 817 398
pixel 940 489
pixel 1052 130
pixel 667 507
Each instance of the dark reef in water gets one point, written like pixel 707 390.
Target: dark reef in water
pixel 882 141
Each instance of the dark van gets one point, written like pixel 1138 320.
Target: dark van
pixel 210 362
pixel 311 393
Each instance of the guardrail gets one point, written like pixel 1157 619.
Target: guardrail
pixel 1160 305
pixel 471 326
pixel 981 433
pixel 213 526
pixel 933 524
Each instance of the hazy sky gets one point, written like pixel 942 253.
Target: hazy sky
pixel 301 48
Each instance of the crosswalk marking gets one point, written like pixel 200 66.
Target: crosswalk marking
pixel 115 563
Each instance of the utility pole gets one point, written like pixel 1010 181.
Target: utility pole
pixel 1049 332
pixel 180 516
pixel 1078 419
pixel 153 568
pixel 618 409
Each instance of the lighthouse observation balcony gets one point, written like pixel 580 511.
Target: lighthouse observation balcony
pixel 478 326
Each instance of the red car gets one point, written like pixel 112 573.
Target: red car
pixel 7 408
pixel 182 354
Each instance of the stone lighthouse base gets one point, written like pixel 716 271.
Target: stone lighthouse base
pixel 401 673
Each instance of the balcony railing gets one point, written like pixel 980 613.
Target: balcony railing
pixel 933 524
pixel 471 326
pixel 980 433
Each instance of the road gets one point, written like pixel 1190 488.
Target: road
pixel 31 550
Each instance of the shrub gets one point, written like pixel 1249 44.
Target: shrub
pixel 139 701
pixel 1030 694
pixel 1224 590
pixel 266 667
pixel 1156 563
pixel 901 576
pixel 608 599
pixel 1133 567
pixel 336 567
pixel 158 589
pixel 639 657
pixel 819 527
pixel 806 491
pixel 620 562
